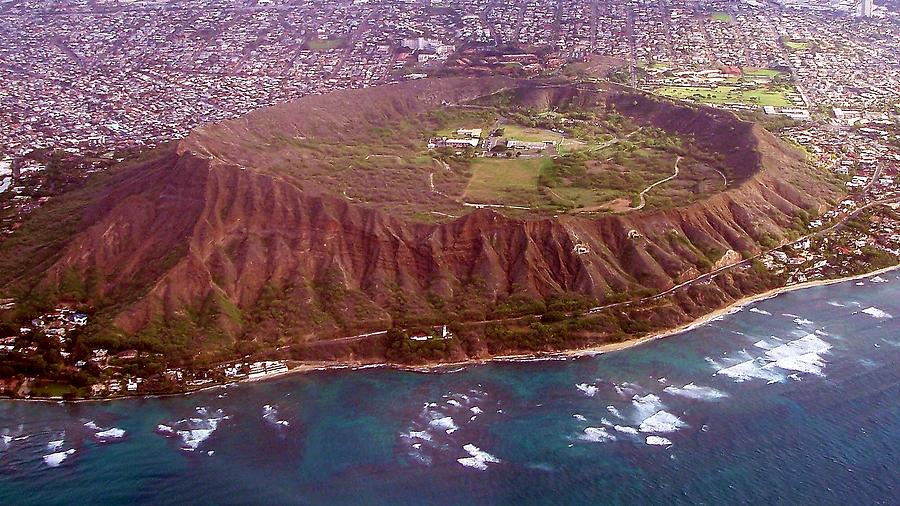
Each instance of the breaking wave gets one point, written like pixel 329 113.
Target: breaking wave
pixel 194 431
pixel 662 421
pixel 55 459
pixel 479 458
pixel 596 435
pixel 876 313
pixel 692 391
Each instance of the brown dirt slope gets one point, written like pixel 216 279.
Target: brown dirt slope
pixel 204 227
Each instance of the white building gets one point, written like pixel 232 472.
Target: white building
pixel 267 368
pixel 463 142
pixel 866 8
pixel 469 132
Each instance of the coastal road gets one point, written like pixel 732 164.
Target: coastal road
pixel 709 276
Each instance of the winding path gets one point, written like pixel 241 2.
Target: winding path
pixel 654 185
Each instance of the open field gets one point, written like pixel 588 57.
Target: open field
pixel 722 16
pixel 324 44
pixel 796 45
pixel 448 122
pixel 727 94
pixel 527 134
pixel 504 181
pixel 517 182
pixel 754 72
pixel 583 198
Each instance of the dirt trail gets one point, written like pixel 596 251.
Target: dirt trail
pixel 654 185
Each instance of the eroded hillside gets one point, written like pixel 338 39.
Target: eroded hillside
pixel 242 233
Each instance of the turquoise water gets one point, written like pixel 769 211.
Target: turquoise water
pixel 791 400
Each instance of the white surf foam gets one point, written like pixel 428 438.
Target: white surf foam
pixel 91 425
pixel 801 355
pixel 876 313
pixel 55 459
pixel 646 405
pixel 476 410
pixel 760 311
pixel 658 441
pixel 588 390
pixel 878 279
pixel 806 344
pixel 192 438
pixel 479 458
pixel 444 423
pixel 810 363
pixel 627 389
pixel 751 369
pixel 418 434
pixel 802 321
pixel 55 444
pixel 615 412
pixel 270 414
pixel 580 418
pixel 193 432
pixel 692 391
pixel 596 435
pixel 662 421
pixel 625 429
pixel 113 433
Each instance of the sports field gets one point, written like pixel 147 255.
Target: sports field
pixel 796 45
pixel 727 94
pixel 527 134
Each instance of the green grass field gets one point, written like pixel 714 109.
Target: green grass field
pixel 754 72
pixel 324 44
pixel 571 196
pixel 52 390
pixel 504 181
pixel 721 16
pixel 727 94
pixel 527 134
pixel 515 182
pixel 796 45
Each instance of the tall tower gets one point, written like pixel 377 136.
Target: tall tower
pixel 866 7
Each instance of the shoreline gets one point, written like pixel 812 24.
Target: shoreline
pixel 442 368
pixel 631 343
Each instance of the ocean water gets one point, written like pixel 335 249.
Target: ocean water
pixel 791 400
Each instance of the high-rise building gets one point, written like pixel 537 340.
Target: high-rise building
pixel 866 7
